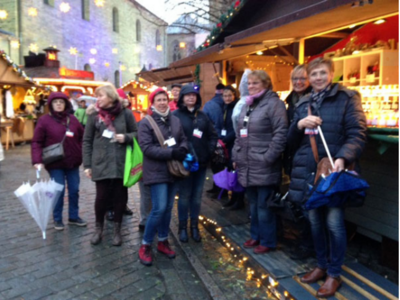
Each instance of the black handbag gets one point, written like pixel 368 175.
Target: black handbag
pixel 54 152
pixel 283 207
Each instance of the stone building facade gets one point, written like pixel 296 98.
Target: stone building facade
pixel 115 41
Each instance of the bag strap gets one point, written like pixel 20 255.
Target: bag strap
pixel 65 134
pixel 157 130
pixel 313 141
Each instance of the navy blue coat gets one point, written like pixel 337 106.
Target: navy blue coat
pixel 214 110
pixel 344 128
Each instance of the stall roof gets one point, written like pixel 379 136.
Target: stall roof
pixel 318 19
pixel 166 76
pixel 11 74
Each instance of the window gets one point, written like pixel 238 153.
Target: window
pixel 49 2
pixel 117 78
pixel 176 51
pixel 158 38
pixel 85 10
pixel 138 31
pixel 115 19
pixel 87 67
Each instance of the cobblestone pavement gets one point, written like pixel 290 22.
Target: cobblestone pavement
pixel 66 265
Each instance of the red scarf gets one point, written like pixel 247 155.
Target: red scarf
pixel 108 115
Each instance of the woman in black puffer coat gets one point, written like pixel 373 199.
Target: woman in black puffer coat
pixel 202 140
pixel 339 113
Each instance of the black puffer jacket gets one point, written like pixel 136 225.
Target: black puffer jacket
pixel 204 146
pixel 344 128
pixel 258 156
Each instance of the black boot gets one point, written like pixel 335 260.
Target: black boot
pixel 117 239
pixel 194 230
pixel 128 211
pixel 182 233
pixel 97 235
pixel 239 201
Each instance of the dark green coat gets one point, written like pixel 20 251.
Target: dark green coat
pixel 106 159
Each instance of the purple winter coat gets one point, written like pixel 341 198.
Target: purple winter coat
pixel 50 131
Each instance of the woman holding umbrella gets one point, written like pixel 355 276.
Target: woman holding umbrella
pixel 58 126
pixel 339 114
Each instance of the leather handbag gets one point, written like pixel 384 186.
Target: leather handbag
pixel 54 152
pixel 175 167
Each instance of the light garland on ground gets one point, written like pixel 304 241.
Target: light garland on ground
pixel 252 274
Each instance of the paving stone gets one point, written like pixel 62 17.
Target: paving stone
pixel 37 294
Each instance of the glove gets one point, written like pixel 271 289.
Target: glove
pixel 179 154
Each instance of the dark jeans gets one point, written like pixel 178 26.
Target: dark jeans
pixel 332 220
pixel 110 193
pixel 72 178
pixel 263 220
pixel 162 200
pixel 190 192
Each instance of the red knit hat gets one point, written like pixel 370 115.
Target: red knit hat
pixel 122 94
pixel 153 95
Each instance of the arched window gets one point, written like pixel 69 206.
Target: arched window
pixel 87 67
pixel 115 19
pixel 117 78
pixel 176 51
pixel 158 38
pixel 138 31
pixel 85 10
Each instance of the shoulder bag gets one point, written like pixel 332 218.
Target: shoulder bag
pixel 175 167
pixel 54 152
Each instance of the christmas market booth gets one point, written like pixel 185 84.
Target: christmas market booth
pixel 138 95
pixel 17 102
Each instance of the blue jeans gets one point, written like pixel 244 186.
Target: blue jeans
pixel 162 201
pixel 329 219
pixel 72 177
pixel 190 192
pixel 145 202
pixel 263 220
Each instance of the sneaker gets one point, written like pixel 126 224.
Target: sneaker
pixel 78 222
pixel 164 248
pixel 58 225
pixel 145 255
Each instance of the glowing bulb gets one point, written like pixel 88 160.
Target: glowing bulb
pixel 159 47
pixel 3 14
pixel 93 51
pixel 259 53
pixel 92 61
pixel 381 21
pixel 73 51
pixel 15 44
pixel 32 12
pixel 65 7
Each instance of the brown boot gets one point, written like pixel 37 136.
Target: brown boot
pixel 117 240
pixel 329 288
pixel 313 276
pixel 97 235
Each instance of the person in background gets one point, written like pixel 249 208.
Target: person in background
pixel 244 92
pixel 80 113
pixel 109 128
pixel 202 139
pixel 227 134
pixel 261 139
pixel 52 128
pixel 339 113
pixel 175 90
pixel 163 184
pixel 214 111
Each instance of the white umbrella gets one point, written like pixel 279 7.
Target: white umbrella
pixel 39 200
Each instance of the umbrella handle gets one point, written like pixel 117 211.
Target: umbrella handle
pixel 326 147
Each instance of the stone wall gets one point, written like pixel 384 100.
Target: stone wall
pixel 173 41
pixel 66 30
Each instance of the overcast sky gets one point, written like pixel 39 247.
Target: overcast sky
pixel 159 8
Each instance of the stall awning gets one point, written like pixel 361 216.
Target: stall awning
pixel 11 74
pixel 166 76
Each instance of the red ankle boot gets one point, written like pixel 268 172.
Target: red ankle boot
pixel 164 248
pixel 145 255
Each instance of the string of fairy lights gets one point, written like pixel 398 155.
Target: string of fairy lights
pixel 255 274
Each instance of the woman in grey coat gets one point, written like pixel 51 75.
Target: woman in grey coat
pixel 260 141
pixel 109 128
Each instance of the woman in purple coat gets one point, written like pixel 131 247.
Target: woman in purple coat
pixel 56 126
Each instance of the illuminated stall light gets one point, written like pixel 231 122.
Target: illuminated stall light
pixel 90 90
pixel 71 87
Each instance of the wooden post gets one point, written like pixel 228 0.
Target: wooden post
pixel 301 51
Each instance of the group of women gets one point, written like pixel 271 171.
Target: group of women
pixel 255 138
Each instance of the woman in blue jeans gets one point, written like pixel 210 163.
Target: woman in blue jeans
pixel 260 140
pixel 203 139
pixel 339 114
pixel 163 185
pixel 55 127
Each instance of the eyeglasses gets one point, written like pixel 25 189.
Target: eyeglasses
pixel 299 79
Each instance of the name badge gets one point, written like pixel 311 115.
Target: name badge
pixel 243 132
pixel 246 119
pixel 311 131
pixel 223 132
pixel 108 134
pixel 170 142
pixel 197 133
pixel 69 133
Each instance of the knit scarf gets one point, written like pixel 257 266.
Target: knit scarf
pixel 164 114
pixel 319 96
pixel 250 98
pixel 108 115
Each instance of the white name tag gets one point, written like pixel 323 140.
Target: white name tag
pixel 246 119
pixel 170 142
pixel 108 134
pixel 69 133
pixel 243 132
pixel 197 133
pixel 223 132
